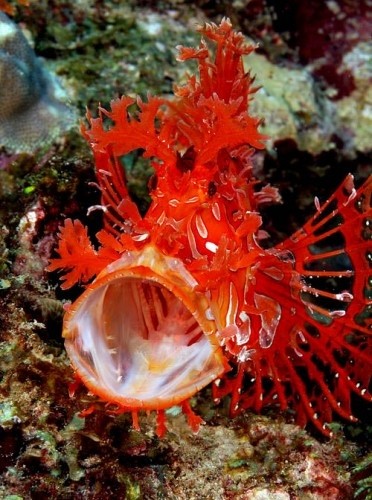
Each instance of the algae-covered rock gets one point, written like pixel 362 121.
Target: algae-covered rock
pixel 291 106
pixel 354 112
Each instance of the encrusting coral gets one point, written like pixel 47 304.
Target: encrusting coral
pixel 33 110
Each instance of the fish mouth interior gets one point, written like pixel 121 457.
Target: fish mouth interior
pixel 135 343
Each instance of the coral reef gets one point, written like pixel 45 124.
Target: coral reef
pixel 295 107
pixel 47 448
pixel 315 68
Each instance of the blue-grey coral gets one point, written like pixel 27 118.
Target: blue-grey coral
pixel 33 111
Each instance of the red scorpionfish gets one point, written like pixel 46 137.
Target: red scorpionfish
pixel 185 295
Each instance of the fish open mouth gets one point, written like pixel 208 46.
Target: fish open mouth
pixel 139 336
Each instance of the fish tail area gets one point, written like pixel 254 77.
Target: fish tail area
pixel 310 346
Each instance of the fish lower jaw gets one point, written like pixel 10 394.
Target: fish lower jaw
pixel 139 340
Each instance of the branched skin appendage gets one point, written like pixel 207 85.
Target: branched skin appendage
pixel 185 295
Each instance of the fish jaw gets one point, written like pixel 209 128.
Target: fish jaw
pixel 139 337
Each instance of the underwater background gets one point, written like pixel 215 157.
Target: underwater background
pixel 313 63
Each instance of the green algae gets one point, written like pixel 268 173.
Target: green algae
pixel 362 474
pixel 8 414
pixel 137 60
pixel 133 489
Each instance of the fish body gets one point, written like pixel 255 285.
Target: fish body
pixel 186 295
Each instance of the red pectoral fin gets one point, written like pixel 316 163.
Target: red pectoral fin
pixel 333 255
pixel 318 282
